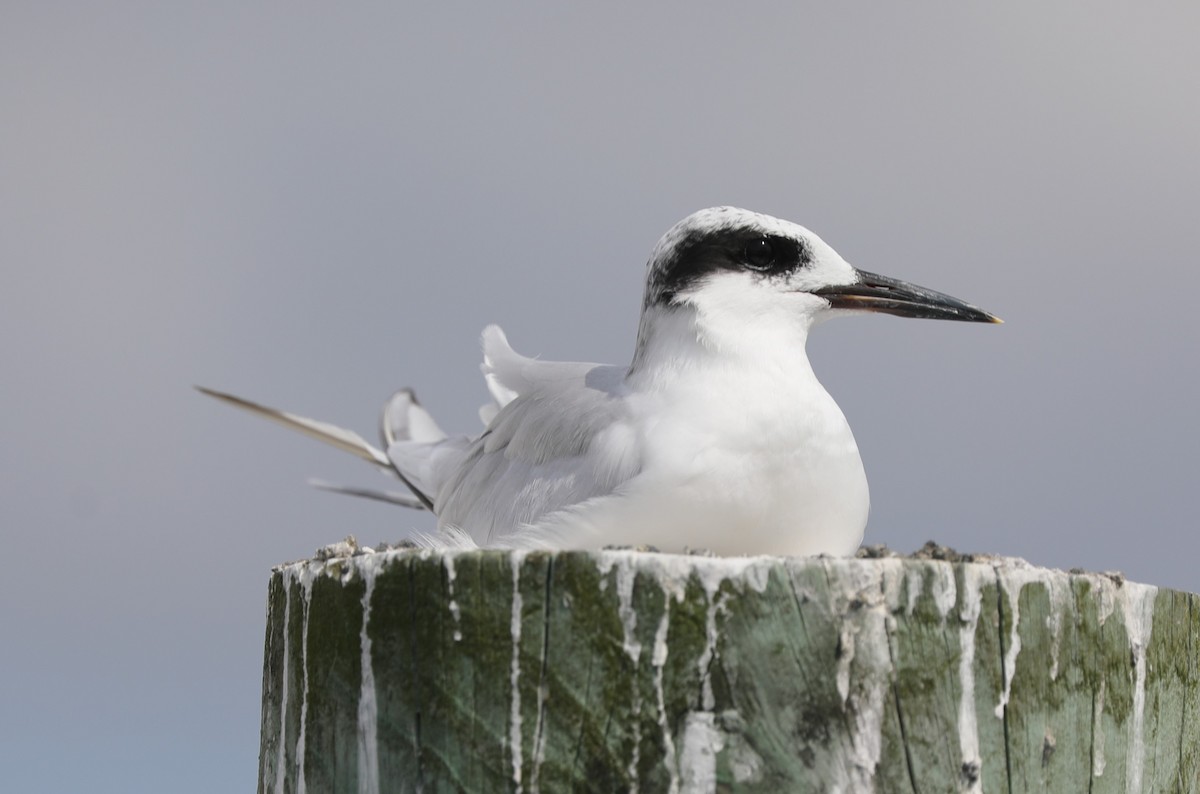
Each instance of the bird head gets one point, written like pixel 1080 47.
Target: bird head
pixel 747 278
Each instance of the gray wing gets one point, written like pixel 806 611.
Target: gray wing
pixel 556 446
pixel 562 435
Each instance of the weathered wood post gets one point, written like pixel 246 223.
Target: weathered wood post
pixel 623 671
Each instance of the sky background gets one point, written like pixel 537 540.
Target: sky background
pixel 313 206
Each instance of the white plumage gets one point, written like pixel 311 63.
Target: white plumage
pixel 717 436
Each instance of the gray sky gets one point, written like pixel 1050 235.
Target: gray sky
pixel 314 207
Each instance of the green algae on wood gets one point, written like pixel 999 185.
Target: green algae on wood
pixel 622 671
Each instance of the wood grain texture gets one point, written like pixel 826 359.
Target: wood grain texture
pixel 627 671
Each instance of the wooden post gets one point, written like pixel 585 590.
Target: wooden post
pixel 616 671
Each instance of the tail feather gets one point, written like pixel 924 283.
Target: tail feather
pixel 405 419
pixel 345 440
pixel 391 497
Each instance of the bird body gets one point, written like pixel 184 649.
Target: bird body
pixel 718 436
pixel 692 451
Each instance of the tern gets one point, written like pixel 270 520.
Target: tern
pixel 716 436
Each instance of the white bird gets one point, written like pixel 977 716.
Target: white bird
pixel 717 436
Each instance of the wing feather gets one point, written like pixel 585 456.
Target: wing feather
pixel 565 437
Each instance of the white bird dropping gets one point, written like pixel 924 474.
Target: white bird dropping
pixel 717 435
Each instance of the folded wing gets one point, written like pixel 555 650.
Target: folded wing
pixel 560 434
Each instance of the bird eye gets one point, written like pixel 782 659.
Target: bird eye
pixel 760 253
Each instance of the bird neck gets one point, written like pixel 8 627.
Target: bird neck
pixel 676 342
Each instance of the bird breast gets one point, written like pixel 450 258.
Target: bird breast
pixel 755 460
